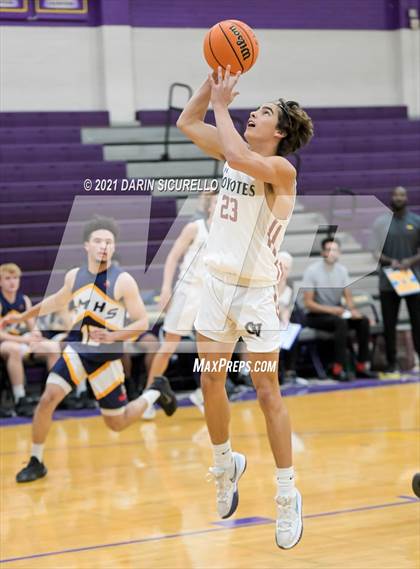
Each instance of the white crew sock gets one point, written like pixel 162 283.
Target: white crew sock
pixel 37 451
pixel 285 481
pixel 81 388
pixel 223 457
pixel 18 392
pixel 151 396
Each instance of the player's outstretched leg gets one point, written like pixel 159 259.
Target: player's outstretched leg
pixel 228 466
pixel 119 418
pixel 49 401
pixel 159 365
pixel 167 399
pixel 289 526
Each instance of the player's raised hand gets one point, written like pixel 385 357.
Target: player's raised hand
pixel 223 87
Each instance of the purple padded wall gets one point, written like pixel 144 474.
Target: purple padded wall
pixel 63 118
pixel 284 14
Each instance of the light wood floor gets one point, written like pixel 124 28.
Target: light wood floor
pixel 140 498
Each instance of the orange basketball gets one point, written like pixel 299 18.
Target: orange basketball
pixel 231 42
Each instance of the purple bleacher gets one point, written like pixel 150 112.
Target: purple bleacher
pixel 365 161
pixel 44 191
pixel 37 234
pixel 353 113
pixel 54 211
pixel 44 135
pixel 369 144
pixel 45 258
pixel 61 171
pixel 388 127
pixel 155 118
pixel 13 153
pixel 36 283
pixel 43 163
pixel 384 194
pixel 60 118
pixel 344 203
pixel 324 182
pixel 41 191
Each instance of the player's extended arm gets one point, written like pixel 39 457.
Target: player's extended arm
pixel 5 336
pixel 52 303
pixel 191 123
pixel 178 250
pixel 274 170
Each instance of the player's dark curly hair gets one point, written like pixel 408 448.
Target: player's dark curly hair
pixel 99 222
pixel 297 125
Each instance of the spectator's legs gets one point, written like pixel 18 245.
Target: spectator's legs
pixel 362 327
pixel 12 354
pixel 413 305
pixel 390 304
pixel 48 350
pixel 338 326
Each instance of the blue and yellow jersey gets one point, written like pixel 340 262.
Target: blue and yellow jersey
pixel 16 307
pixel 94 304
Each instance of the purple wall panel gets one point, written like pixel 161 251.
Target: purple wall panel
pixel 269 14
pixel 283 14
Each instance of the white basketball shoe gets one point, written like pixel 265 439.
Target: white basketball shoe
pixel 289 525
pixel 227 495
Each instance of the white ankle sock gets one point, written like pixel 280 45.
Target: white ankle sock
pixel 223 457
pixel 81 388
pixel 18 392
pixel 285 481
pixel 151 396
pixel 37 451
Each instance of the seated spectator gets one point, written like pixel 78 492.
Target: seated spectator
pixel 288 358
pixel 324 283
pixel 21 341
pixel 401 251
pixel 284 288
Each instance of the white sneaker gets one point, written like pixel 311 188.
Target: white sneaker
pixel 227 495
pixel 289 525
pixel 196 397
pixel 149 414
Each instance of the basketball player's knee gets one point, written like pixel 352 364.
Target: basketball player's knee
pixel 51 398
pixel 210 381
pixel 11 350
pixel 114 423
pixel 268 395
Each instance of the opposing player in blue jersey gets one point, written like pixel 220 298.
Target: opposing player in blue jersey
pixel 101 296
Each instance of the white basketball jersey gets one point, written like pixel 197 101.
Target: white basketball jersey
pixel 192 268
pixel 245 236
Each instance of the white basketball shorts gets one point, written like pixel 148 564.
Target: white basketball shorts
pixel 230 311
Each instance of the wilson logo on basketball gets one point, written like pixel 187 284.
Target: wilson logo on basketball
pixel 241 43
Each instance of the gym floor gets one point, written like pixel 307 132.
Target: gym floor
pixel 140 498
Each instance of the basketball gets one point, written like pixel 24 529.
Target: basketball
pixel 233 43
